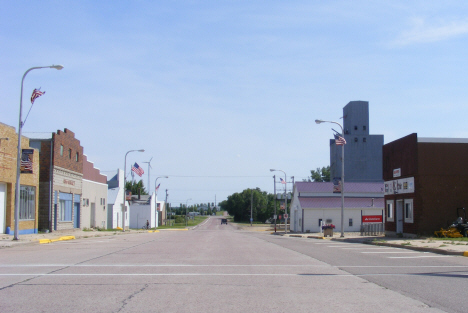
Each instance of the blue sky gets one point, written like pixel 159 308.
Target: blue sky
pixel 219 92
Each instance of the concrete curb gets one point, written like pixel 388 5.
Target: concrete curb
pixel 421 249
pixel 386 244
pixel 22 242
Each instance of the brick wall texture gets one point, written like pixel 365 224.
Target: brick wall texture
pixel 8 163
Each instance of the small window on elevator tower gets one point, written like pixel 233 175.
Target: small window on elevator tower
pixel 364 127
pixel 355 127
pixel 364 139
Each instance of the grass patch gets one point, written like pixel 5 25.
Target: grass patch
pixel 449 239
pixel 253 223
pixel 190 222
pixel 406 244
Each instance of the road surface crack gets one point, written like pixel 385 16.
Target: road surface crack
pixel 130 297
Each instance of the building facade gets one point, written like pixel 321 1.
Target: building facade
pixel 143 209
pixel 29 182
pixel 115 201
pixel 363 152
pixel 60 180
pixel 314 203
pixel 425 183
pixel 94 197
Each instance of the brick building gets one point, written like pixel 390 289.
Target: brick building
pixel 60 180
pixel 28 214
pixel 425 182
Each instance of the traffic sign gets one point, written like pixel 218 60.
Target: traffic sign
pixel 285 215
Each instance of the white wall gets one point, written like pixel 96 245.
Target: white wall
pixel 312 216
pixel 141 213
pixel 94 192
pixel 114 216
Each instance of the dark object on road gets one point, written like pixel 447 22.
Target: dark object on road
pixel 224 221
pixel 460 224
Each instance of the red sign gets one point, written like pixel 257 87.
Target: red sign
pixel 372 219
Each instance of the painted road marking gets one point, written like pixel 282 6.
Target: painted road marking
pixel 369 248
pixel 382 252
pixel 421 256
pixel 227 274
pixel 232 265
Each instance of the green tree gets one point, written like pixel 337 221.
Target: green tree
pixel 136 187
pixel 239 205
pixel 320 175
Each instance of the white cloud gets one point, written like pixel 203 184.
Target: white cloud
pixel 422 31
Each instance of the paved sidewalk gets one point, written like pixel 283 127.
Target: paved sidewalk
pixel 7 241
pixel 440 246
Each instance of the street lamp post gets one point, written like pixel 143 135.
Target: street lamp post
pixel 186 203
pixel 18 159
pixel 156 195
pixel 285 200
pixel 124 208
pixel 342 174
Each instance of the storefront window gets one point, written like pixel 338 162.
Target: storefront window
pixel 409 211
pixel 390 211
pixel 27 203
pixel 66 206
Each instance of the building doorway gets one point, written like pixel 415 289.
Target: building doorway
pixel 93 215
pixel 399 217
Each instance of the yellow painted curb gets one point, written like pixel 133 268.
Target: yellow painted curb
pixel 175 229
pixel 153 231
pixel 465 253
pixel 41 241
pixel 67 238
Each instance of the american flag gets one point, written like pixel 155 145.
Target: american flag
pixel 36 94
pixel 27 164
pixel 339 141
pixel 157 187
pixel 282 181
pixel 137 169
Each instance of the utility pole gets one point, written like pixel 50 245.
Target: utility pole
pixel 251 206
pixel 165 209
pixel 274 184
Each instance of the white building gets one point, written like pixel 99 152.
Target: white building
pixel 115 200
pixel 143 208
pixel 315 202
pixel 94 197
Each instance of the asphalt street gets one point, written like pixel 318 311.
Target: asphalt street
pixel 218 268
